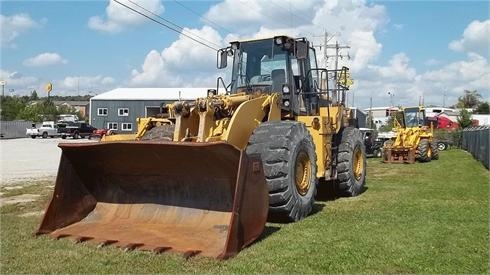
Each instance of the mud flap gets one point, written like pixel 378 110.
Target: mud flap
pixel 206 199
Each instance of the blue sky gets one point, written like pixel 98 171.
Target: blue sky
pixel 417 49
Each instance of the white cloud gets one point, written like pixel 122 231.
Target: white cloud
pixel 118 17
pixel 364 47
pixel 409 86
pixel 398 69
pixel 398 26
pixel 17 82
pixel 44 59
pixel 470 74
pixel 476 38
pixel 355 23
pixel 432 62
pixel 69 85
pixel 184 63
pixel 15 25
pixel 85 83
pixel 248 16
pixel 352 22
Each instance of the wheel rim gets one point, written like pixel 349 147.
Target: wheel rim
pixel 303 173
pixel 358 164
pixel 441 146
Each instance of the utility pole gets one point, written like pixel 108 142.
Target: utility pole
pixel 337 54
pixel 371 113
pixel 444 98
pixel 326 46
pixel 3 83
pixel 391 94
pixel 325 43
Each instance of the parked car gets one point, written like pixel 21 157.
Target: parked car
pixel 76 130
pixel 371 142
pixel 47 129
pixel 99 133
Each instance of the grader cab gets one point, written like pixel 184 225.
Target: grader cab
pixel 414 138
pixel 205 181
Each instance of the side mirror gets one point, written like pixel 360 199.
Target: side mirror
pixel 301 49
pixel 222 58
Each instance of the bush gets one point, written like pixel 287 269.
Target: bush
pixel 452 137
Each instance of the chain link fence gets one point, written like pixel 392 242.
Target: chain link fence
pixel 476 140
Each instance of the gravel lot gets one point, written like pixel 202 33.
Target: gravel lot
pixel 26 159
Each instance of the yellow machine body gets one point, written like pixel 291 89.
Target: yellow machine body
pixel 204 177
pixel 411 132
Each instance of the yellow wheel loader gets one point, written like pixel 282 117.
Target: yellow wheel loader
pixel 204 179
pixel 414 138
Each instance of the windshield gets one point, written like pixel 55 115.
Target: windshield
pixel 414 117
pixel 260 63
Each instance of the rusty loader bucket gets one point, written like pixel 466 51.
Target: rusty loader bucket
pixel 399 155
pixel 206 199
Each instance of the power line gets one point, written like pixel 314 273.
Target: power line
pixel 202 17
pixel 175 25
pixel 258 12
pixel 166 26
pixel 297 15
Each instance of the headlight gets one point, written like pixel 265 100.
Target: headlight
pixel 211 92
pixel 285 89
pixel 286 103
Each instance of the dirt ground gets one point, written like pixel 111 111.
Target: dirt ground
pixel 24 159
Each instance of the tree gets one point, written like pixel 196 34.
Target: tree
pixel 470 99
pixel 390 123
pixel 464 119
pixel 11 107
pixel 34 96
pixel 39 111
pixel 32 112
pixel 483 108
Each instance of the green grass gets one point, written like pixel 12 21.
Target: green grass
pixel 420 218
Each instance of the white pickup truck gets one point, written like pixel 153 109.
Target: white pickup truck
pixel 48 129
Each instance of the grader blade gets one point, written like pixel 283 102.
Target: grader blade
pixel 206 199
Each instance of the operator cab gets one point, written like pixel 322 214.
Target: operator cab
pixel 275 65
pixel 414 117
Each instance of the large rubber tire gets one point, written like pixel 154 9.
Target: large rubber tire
pixel 76 135
pixel 160 133
pixel 33 136
pixel 424 151
pixel 44 135
pixel 435 149
pixel 351 163
pixel 289 159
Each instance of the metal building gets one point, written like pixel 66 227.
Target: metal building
pixel 118 109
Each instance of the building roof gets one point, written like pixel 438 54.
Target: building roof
pixel 380 109
pixel 71 103
pixel 152 94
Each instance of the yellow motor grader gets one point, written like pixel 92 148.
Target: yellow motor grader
pixel 204 178
pixel 414 138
